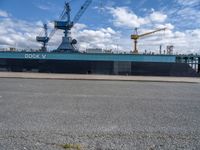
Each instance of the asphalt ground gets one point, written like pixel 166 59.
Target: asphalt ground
pixel 98 115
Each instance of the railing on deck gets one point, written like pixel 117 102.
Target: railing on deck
pixel 192 60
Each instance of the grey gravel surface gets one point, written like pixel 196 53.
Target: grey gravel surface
pixel 98 115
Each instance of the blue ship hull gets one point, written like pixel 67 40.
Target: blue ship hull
pixel 84 63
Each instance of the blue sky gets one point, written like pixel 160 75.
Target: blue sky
pixel 106 22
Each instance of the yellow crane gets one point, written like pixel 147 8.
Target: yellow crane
pixel 136 36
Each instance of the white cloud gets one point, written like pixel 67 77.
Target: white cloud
pixel 123 17
pixel 194 33
pixel 189 2
pixel 183 42
pixel 22 34
pixel 43 7
pixel 105 38
pixel 18 33
pixel 169 26
pixel 189 13
pixel 158 17
pixel 185 13
pixel 3 13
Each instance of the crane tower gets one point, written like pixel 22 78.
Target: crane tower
pixel 67 44
pixel 136 36
pixel 43 39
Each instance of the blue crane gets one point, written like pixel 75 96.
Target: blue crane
pixel 67 44
pixel 43 39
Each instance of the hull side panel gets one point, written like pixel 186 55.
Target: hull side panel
pixel 99 67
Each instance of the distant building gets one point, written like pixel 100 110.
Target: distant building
pixel 170 49
pixel 108 51
pixel 94 50
pixel 12 49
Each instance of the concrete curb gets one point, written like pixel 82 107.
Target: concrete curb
pixel 97 77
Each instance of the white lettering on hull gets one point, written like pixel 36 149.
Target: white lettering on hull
pixel 44 56
pixel 35 56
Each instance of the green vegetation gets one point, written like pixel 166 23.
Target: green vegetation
pixel 72 146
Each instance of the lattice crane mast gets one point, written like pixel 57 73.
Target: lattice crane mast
pixel 136 36
pixel 67 42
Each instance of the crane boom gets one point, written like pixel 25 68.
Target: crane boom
pixel 65 12
pixel 65 23
pixel 52 34
pixel 82 10
pixel 148 33
pixel 68 44
pixel 136 36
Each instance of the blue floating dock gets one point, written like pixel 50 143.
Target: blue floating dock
pixel 88 57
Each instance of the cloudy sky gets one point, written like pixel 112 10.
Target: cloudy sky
pixel 106 24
